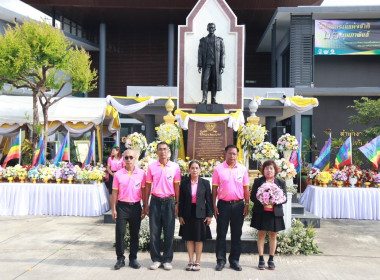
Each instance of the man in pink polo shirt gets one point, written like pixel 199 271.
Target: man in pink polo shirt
pixel 162 182
pixel 230 184
pixel 127 193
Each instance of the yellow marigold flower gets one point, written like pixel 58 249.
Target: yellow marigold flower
pixel 167 142
pixel 156 128
pixel 167 128
pixel 246 137
pixel 173 138
pixel 187 158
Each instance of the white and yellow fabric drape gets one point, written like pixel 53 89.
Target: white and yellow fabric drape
pixel 234 119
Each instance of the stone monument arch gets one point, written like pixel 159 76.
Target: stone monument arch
pixel 189 35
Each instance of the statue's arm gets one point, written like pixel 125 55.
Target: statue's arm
pixel 222 54
pixel 200 52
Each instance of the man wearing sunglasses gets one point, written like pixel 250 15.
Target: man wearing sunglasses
pixel 162 182
pixel 127 193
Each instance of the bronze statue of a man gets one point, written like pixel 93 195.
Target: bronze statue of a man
pixel 211 63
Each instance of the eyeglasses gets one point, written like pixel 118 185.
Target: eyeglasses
pixel 128 157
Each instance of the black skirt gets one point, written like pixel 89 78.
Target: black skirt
pixel 267 221
pixel 194 229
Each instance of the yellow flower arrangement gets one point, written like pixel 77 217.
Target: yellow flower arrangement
pixel 251 135
pixel 169 133
pixel 324 177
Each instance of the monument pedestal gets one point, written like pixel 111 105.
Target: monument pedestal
pixel 209 109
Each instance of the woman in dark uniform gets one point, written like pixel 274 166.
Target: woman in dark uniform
pixel 267 218
pixel 195 213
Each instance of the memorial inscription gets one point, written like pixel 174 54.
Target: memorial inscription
pixel 208 140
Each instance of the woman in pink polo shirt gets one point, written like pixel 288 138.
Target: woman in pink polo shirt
pixel 114 163
pixel 267 219
pixel 195 213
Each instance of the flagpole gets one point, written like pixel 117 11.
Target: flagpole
pixel 300 147
pixel 19 148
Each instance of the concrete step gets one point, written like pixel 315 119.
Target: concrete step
pixel 308 218
pixel 298 209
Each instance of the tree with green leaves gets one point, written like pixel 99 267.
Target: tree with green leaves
pixel 39 57
pixel 368 114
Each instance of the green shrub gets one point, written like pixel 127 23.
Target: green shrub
pixel 297 240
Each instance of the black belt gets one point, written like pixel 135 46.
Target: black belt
pixel 163 198
pixel 233 201
pixel 127 203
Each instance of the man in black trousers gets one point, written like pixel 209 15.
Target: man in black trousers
pixel 127 193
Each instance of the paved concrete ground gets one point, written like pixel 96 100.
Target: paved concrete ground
pixel 48 247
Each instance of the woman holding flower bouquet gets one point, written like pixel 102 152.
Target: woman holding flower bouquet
pixel 268 194
pixel 114 163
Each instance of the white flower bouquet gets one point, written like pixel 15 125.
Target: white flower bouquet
pixel 9 171
pixel 252 135
pixel 135 141
pixel 169 133
pixel 20 171
pixel 265 151
pixel 286 169
pixel 207 167
pixel 151 150
pixel 287 142
pixel 144 163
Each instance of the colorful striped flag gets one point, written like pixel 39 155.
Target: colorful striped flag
pixel 14 151
pixel 91 151
pixel 323 161
pixel 344 156
pixel 41 160
pixel 296 156
pixel 372 151
pixel 63 153
pixel 39 151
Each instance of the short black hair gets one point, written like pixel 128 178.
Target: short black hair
pixel 163 143
pixel 231 146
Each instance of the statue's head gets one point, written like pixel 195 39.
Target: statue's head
pixel 211 28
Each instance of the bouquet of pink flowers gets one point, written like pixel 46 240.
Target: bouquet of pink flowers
pixel 270 193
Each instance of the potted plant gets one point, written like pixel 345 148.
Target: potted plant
pixel 287 144
pixel 339 177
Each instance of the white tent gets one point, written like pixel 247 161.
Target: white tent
pixel 77 115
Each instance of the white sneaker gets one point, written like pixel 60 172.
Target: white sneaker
pixel 155 265
pixel 168 266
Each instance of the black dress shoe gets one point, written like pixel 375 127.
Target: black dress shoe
pixel 271 265
pixel 219 266
pixel 120 263
pixel 236 266
pixel 134 264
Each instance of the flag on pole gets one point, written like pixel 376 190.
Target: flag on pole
pixel 296 156
pixel 39 151
pixel 344 156
pixel 14 151
pixel 63 152
pixel 41 160
pixel 323 161
pixel 91 151
pixel 372 151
